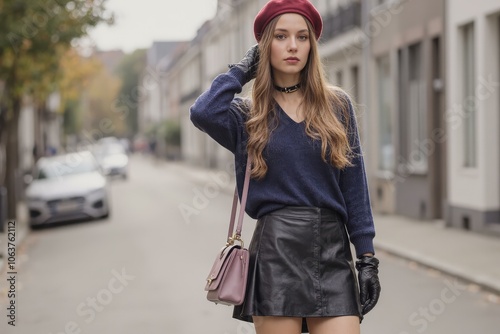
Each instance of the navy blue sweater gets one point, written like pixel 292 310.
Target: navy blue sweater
pixel 297 174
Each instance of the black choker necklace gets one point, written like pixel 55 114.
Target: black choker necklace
pixel 287 90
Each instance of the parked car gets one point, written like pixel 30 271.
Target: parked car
pixel 108 140
pixel 113 159
pixel 67 187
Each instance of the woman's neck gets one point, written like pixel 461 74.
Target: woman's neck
pixel 286 80
pixel 288 97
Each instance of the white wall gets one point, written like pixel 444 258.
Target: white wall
pixel 474 188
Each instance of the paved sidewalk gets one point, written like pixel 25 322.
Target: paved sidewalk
pixel 470 256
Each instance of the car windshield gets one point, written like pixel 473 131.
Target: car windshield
pixel 68 165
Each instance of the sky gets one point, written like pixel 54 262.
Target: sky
pixel 140 22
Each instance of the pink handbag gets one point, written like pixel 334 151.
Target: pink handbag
pixel 227 280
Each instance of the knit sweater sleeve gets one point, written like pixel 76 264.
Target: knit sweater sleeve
pixel 354 186
pixel 218 113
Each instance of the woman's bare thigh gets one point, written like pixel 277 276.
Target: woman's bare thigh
pixel 334 325
pixel 281 325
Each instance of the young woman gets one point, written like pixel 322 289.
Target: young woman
pixel 308 190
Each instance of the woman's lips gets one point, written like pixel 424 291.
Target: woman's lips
pixel 292 60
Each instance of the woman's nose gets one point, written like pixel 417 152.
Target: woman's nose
pixel 293 44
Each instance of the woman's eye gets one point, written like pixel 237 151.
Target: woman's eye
pixel 280 36
pixel 303 38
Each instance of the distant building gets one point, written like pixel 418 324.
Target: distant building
pixel 186 74
pixel 153 89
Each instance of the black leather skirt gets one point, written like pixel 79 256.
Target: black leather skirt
pixel 300 266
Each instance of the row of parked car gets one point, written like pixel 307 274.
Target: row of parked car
pixel 75 186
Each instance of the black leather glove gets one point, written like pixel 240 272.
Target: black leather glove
pixel 369 285
pixel 249 63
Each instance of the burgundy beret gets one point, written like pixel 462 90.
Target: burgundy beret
pixel 277 7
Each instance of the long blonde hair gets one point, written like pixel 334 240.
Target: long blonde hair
pixel 326 108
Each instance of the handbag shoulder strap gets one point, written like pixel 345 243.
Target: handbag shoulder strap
pixel 244 195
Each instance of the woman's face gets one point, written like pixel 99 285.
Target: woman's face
pixel 290 46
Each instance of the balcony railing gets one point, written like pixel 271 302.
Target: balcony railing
pixel 344 19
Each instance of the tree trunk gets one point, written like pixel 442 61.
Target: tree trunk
pixel 12 159
pixel 39 143
pixel 3 140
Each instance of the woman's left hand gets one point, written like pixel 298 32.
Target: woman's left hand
pixel 249 63
pixel 369 284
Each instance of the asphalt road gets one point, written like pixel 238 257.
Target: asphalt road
pixel 143 270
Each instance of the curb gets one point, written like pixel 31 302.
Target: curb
pixel 486 283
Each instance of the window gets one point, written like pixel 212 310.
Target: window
pixel 416 108
pixel 412 108
pixel 469 101
pixel 385 129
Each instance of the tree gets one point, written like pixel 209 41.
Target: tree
pixel 77 74
pixel 129 70
pixel 101 94
pixel 33 36
pixel 171 133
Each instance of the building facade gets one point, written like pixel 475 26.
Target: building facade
pixel 153 104
pixel 189 66
pixel 221 41
pixel 406 107
pixel 473 114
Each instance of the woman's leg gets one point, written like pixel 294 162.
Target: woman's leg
pixel 334 325
pixel 274 325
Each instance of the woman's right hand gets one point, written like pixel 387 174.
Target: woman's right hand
pixel 249 63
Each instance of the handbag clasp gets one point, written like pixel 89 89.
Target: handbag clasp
pixel 234 238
